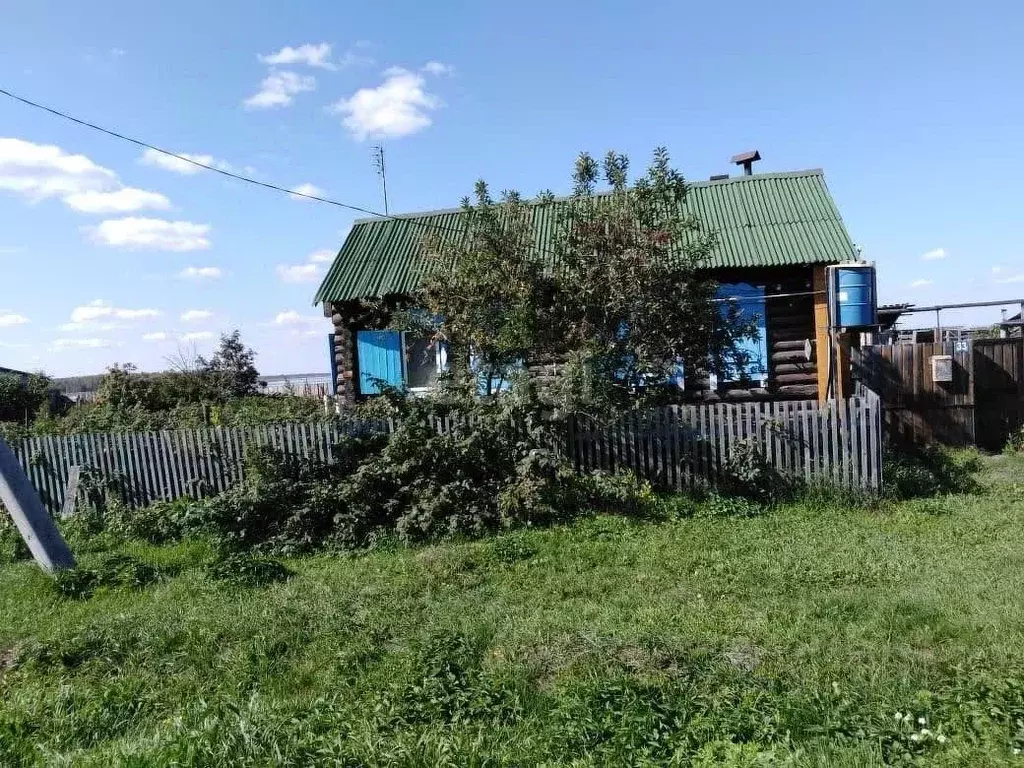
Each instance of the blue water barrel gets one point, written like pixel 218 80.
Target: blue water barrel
pixel 856 304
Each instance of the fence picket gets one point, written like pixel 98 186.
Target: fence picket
pixel 837 442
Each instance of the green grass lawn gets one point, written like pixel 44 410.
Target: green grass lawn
pixel 815 635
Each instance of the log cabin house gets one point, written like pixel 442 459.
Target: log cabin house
pixel 777 232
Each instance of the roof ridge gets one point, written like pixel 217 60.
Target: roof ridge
pixel 703 183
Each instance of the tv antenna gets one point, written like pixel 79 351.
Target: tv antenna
pixel 378 162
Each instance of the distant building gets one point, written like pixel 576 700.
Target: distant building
pixel 1012 327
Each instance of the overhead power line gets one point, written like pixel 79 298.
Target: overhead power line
pixel 236 176
pixel 183 158
pixel 285 190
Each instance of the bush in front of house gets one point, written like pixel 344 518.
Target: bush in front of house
pixel 492 468
pixel 911 472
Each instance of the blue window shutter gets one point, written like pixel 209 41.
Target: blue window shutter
pixel 380 358
pixel 750 299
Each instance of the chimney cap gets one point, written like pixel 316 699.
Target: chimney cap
pixel 746 157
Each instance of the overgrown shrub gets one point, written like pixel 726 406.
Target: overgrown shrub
pixel 285 504
pixel 112 572
pixel 163 522
pixel 1015 443
pixel 750 475
pixel 245 570
pixel 911 472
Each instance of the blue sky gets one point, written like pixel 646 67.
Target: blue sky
pixel 912 109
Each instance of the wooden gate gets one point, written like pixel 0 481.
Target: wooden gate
pixel 982 405
pixel 998 390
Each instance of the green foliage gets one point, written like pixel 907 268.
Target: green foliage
pixel 1015 443
pixel 750 474
pixel 231 372
pixel 244 570
pixel 89 418
pixel 113 572
pixel 22 396
pixel 807 636
pixel 912 472
pixel 196 392
pixel 12 546
pixel 625 305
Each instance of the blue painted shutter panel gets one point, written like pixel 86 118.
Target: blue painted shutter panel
pixel 380 358
pixel 750 299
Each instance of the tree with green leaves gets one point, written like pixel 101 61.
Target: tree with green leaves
pixel 231 371
pixel 617 296
pixel 21 396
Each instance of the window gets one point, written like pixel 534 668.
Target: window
pixel 398 360
pixel 425 361
pixel 750 299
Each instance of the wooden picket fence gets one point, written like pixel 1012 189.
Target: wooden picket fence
pixel 682 446
pixel 151 466
pixel 679 447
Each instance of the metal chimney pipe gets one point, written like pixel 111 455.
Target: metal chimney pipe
pixel 747 160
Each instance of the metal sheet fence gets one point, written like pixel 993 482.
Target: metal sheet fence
pixel 674 446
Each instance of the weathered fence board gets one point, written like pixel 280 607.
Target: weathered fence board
pixel 983 404
pixel 677 446
pixel 838 443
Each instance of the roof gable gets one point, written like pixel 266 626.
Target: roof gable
pixel 763 220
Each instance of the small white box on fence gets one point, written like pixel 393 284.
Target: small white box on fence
pixel 942 368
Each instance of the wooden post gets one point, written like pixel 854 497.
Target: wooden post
pixel 843 374
pixel 821 340
pixel 37 529
pixel 71 492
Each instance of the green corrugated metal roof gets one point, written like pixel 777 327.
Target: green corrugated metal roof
pixel 768 219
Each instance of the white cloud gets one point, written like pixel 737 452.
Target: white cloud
pixel 438 68
pixel 397 107
pixel 155 336
pixel 98 315
pixel 308 272
pixel 197 336
pixel 154 234
pixel 177 165
pixel 306 189
pixel 290 317
pixel 40 171
pixel 934 254
pixel 117 52
pixel 279 88
pixel 8 319
pixel 298 273
pixel 200 273
pixel 124 200
pixel 196 315
pixel 1018 278
pixel 352 57
pixel 996 270
pixel 920 283
pixel 59 344
pixel 311 55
